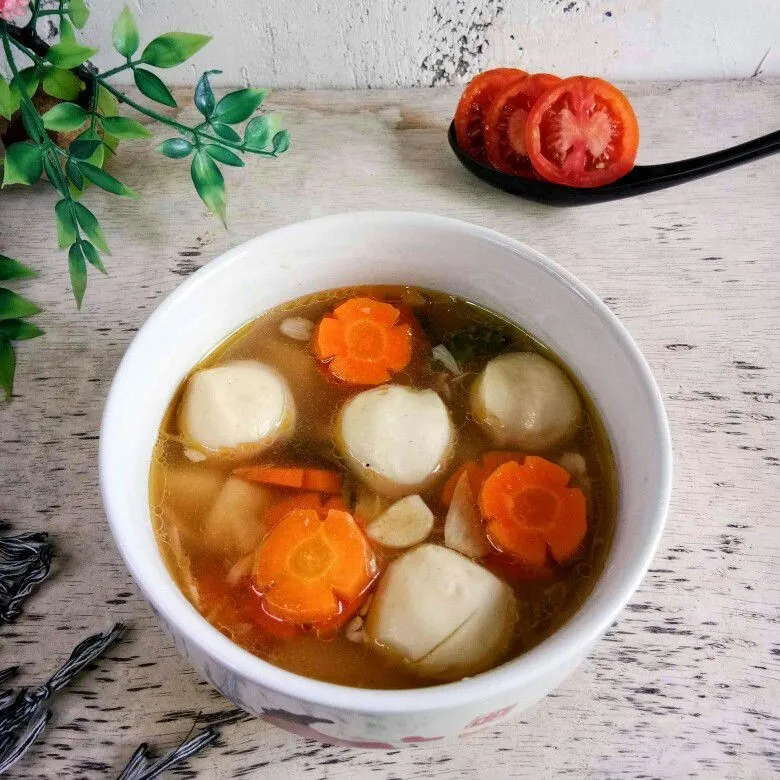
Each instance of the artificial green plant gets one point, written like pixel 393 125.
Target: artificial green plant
pixel 64 123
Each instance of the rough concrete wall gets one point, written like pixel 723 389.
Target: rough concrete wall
pixel 394 43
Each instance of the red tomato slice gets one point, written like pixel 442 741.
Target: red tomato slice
pixel 506 120
pixel 582 133
pixel 474 104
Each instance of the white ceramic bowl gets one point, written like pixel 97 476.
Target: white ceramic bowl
pixel 391 248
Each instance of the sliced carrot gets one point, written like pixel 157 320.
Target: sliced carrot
pixel 322 481
pixel 312 565
pixel 363 343
pixel 476 477
pixel 229 606
pixel 478 472
pixel 528 509
pixel 272 475
pixel 278 511
pixel 492 460
pixel 317 480
pixel 356 309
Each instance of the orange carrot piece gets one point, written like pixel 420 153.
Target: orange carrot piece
pixel 322 481
pixel 364 342
pixel 476 477
pixel 272 475
pixel 316 480
pixel 278 511
pixel 311 565
pixel 528 509
pixel 492 460
pixel 367 308
pixel 329 340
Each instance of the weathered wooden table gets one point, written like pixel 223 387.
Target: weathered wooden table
pixel 685 684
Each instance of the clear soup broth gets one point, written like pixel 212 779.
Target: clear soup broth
pixel 212 539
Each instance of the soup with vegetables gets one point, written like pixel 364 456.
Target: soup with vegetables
pixel 383 487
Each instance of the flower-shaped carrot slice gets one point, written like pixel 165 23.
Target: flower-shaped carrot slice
pixel 478 472
pixel 363 343
pixel 314 567
pixel 529 509
pixel 278 511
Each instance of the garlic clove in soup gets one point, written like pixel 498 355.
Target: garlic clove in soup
pixel 440 614
pixel 237 409
pixel 395 438
pixel 407 522
pixel 526 402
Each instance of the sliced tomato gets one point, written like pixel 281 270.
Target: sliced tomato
pixel 474 105
pixel 582 133
pixel 505 123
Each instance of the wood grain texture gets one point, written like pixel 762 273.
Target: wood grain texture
pixel 686 682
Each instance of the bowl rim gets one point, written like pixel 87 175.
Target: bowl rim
pixel 562 648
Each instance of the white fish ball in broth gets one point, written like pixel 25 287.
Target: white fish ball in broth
pixel 239 408
pixel 395 438
pixel 524 401
pixel 441 614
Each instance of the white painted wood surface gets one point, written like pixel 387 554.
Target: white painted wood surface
pixel 686 682
pixel 406 43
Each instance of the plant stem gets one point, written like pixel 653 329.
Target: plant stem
pixel 50 149
pixel 193 131
pixel 100 79
pixel 114 71
pixel 35 9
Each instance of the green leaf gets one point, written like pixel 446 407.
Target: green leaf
pixel 281 142
pixel 23 164
pixel 13 306
pixel 97 156
pixel 93 258
pixel 209 184
pixel 64 117
pixel 204 94
pixel 66 225
pixel 6 104
pixel 83 149
pixel 175 148
pixel 27 78
pixel 67 54
pixel 78 272
pixel 62 84
pixel 152 86
pixel 122 127
pixel 257 133
pixel 107 103
pixel 32 123
pixel 223 155
pixel 74 174
pixel 226 132
pixel 173 48
pixel 78 12
pixel 53 174
pixel 91 227
pixel 239 105
pixel 125 36
pixel 105 180
pixel 7 366
pixel 67 33
pixel 13 269
pixel 19 330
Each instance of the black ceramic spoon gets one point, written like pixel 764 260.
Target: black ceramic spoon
pixel 643 178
